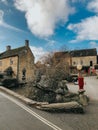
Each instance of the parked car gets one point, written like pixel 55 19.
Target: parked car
pixel 72 78
pixel 8 81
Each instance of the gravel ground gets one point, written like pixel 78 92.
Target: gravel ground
pixel 91 87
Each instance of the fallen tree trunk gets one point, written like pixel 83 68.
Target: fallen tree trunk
pixel 65 107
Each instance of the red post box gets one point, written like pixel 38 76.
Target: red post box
pixel 81 82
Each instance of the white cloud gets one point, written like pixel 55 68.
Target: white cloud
pixel 75 1
pixel 38 52
pixel 1 16
pixel 50 42
pixel 4 24
pixel 4 1
pixel 86 29
pixel 94 44
pixel 43 15
pixel 93 6
pixel 11 27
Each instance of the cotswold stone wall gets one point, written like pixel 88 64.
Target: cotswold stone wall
pixel 9 62
pixel 85 61
pixel 26 61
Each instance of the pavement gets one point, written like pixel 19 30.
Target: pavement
pixel 90 87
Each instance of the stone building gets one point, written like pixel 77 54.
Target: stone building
pixel 62 57
pixel 62 60
pixel 86 57
pixel 18 63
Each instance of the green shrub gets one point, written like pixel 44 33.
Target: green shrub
pixel 9 83
pixel 1 76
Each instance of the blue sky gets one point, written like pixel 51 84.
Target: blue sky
pixel 49 25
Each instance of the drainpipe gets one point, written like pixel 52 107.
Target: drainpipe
pixel 18 69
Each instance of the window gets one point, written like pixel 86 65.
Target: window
pixel 0 63
pixel 81 62
pixel 91 63
pixel 9 71
pixel 74 63
pixel 11 61
pixel 24 74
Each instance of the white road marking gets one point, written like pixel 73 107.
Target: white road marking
pixel 32 113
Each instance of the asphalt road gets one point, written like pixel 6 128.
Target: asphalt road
pixel 14 115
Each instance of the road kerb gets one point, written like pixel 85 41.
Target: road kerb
pixel 21 98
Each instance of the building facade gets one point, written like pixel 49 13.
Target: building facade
pixel 18 63
pixel 62 57
pixel 85 57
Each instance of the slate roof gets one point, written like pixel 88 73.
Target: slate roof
pixel 84 52
pixel 77 53
pixel 12 52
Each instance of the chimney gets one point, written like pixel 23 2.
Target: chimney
pixel 8 48
pixel 27 43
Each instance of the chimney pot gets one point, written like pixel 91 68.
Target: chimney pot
pixel 8 48
pixel 27 43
